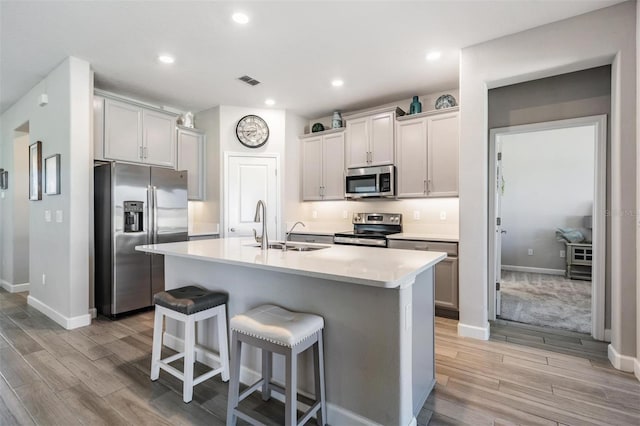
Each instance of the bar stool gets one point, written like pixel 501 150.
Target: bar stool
pixel 189 304
pixel 276 330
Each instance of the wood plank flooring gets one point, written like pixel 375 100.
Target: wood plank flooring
pixel 100 375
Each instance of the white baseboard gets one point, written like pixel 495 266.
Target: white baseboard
pixel 607 335
pixel 68 323
pixel 336 415
pixel 620 362
pixel 533 270
pixel 480 333
pixel 14 288
pixel 93 312
pixel 636 368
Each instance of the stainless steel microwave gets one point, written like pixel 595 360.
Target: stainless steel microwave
pixel 371 182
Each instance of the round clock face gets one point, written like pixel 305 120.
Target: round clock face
pixel 252 131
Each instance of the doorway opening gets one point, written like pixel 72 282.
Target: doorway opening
pixel 547 212
pixel 19 183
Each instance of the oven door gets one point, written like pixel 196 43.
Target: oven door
pixel 361 185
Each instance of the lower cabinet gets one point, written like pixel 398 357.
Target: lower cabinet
pixel 446 273
pixel 311 238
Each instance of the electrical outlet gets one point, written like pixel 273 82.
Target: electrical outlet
pixel 44 279
pixel 416 215
pixel 2 194
pixel 47 215
pixel 59 216
pixel 314 214
pixel 562 253
pixel 345 214
pixel 530 252
pixel 443 215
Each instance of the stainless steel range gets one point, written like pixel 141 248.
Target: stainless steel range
pixel 370 229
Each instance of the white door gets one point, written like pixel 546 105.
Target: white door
pixel 250 179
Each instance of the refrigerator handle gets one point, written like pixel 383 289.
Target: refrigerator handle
pixel 149 215
pixel 155 215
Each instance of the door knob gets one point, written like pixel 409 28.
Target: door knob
pixel 504 231
pixel 232 229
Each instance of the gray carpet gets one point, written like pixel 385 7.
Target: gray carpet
pixel 546 300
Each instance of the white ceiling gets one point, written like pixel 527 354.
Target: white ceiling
pixel 294 48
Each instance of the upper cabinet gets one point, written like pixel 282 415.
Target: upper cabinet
pixel 191 143
pixel 427 154
pixel 370 137
pixel 134 133
pixel 323 165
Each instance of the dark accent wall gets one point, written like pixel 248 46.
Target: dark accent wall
pixel 577 94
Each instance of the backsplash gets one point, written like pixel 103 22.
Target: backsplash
pixel 433 215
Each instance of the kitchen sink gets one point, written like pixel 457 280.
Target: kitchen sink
pixel 293 247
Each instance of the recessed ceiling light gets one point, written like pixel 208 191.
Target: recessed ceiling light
pixel 337 83
pixel 270 102
pixel 240 18
pixel 432 56
pixel 166 59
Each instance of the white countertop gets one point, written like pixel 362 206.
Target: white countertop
pixel 388 268
pixel 424 237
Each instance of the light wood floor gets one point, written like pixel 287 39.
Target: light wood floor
pixel 100 375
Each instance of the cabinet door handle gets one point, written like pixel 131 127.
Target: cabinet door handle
pixel 141 154
pixel 428 185
pixel 146 152
pixel 425 186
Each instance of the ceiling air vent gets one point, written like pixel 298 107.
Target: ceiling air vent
pixel 249 80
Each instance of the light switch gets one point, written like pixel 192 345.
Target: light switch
pixel 2 194
pixel 59 216
pixel 416 215
pixel 443 215
pixel 47 215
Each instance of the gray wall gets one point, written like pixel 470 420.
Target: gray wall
pixel 570 95
pixel 605 36
pixel 59 250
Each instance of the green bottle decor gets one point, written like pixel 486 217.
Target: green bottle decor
pixel 415 107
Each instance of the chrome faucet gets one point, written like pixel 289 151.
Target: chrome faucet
pixel 288 234
pixel 263 239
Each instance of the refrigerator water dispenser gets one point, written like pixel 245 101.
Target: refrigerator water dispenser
pixel 133 214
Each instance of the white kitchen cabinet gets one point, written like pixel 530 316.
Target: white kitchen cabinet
pixel 370 137
pixel 122 131
pixel 136 134
pixel 159 142
pixel 191 145
pixel 323 165
pixel 427 155
pixel 446 272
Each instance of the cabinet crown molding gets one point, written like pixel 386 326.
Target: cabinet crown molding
pixel 130 101
pixel 322 133
pixel 428 113
pixel 399 112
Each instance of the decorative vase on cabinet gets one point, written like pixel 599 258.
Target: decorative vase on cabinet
pixel 415 107
pixel 336 121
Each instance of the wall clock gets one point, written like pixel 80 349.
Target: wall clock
pixel 252 131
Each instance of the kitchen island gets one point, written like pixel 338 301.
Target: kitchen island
pixel 377 305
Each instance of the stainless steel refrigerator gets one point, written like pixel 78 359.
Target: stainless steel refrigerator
pixel 134 205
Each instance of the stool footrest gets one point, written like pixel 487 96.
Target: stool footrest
pixel 247 418
pixel 248 391
pixel 201 378
pixel 171 370
pixel 170 359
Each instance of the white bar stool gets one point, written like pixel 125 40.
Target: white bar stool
pixel 189 304
pixel 274 329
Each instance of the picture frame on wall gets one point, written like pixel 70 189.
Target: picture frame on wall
pixel 35 171
pixel 52 175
